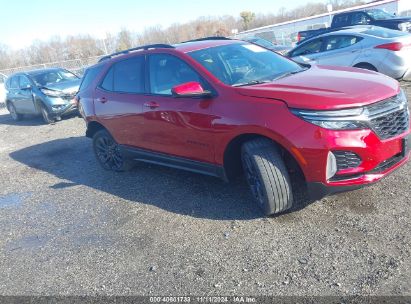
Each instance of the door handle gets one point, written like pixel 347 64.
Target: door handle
pixel 102 99
pixel 151 105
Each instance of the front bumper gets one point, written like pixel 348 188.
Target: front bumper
pixel 69 107
pixel 318 190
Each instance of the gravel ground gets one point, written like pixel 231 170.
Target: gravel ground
pixel 70 228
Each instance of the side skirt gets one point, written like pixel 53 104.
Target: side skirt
pixel 173 162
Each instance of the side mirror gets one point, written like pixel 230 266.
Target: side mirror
pixel 190 89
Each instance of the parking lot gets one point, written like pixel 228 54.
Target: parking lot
pixel 69 227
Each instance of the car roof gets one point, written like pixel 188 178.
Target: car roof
pixel 352 30
pixel 191 46
pixel 183 47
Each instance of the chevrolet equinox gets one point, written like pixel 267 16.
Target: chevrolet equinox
pixel 224 107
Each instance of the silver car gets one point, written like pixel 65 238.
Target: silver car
pixel 369 47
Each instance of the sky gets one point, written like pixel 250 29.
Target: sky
pixel 21 22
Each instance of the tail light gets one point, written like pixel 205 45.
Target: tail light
pixel 298 37
pixel 394 46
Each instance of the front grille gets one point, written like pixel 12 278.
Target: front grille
pixel 346 160
pixel 392 124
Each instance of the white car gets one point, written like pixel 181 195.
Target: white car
pixel 3 79
pixel 368 47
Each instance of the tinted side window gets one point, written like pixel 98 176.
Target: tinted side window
pixel 129 75
pixel 24 82
pixel 107 83
pixel 311 47
pixel 89 76
pixel 339 42
pixel 167 71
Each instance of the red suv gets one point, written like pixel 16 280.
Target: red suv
pixel 224 107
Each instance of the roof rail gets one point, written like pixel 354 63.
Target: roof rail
pixel 143 47
pixel 208 38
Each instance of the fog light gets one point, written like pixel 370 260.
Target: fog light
pixel 331 168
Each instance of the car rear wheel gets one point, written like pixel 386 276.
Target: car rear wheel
pixel 13 112
pixel 108 152
pixel 267 175
pixel 46 115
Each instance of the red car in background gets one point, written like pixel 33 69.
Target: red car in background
pixel 226 107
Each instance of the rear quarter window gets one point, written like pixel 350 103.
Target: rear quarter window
pixel 13 82
pixel 89 76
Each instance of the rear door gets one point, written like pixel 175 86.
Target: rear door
pixel 340 50
pixel 119 99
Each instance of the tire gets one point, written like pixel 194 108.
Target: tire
pixel 267 175
pixel 46 115
pixel 108 153
pixel 366 66
pixel 13 112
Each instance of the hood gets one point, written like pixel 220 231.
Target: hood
pixel 326 88
pixel 68 87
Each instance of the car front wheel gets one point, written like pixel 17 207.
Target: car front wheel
pixel 46 115
pixel 108 152
pixel 267 175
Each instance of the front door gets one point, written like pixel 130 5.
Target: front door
pixel 176 126
pixel 24 96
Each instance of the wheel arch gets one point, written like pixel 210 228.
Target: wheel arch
pixel 364 63
pixel 232 155
pixel 93 127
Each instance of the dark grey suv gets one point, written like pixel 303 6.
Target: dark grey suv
pixel 49 92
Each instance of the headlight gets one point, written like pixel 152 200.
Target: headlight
pixel 404 26
pixel 349 119
pixel 52 93
pixel 58 107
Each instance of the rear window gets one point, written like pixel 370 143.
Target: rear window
pixel 340 20
pixel 89 76
pixel 384 33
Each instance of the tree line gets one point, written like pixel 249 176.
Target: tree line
pixel 84 46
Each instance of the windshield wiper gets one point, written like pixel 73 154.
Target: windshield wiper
pixel 290 73
pixel 253 82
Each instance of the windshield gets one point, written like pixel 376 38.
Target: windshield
pixel 262 42
pixel 52 77
pixel 379 14
pixel 244 64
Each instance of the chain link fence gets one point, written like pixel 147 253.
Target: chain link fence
pixel 75 65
